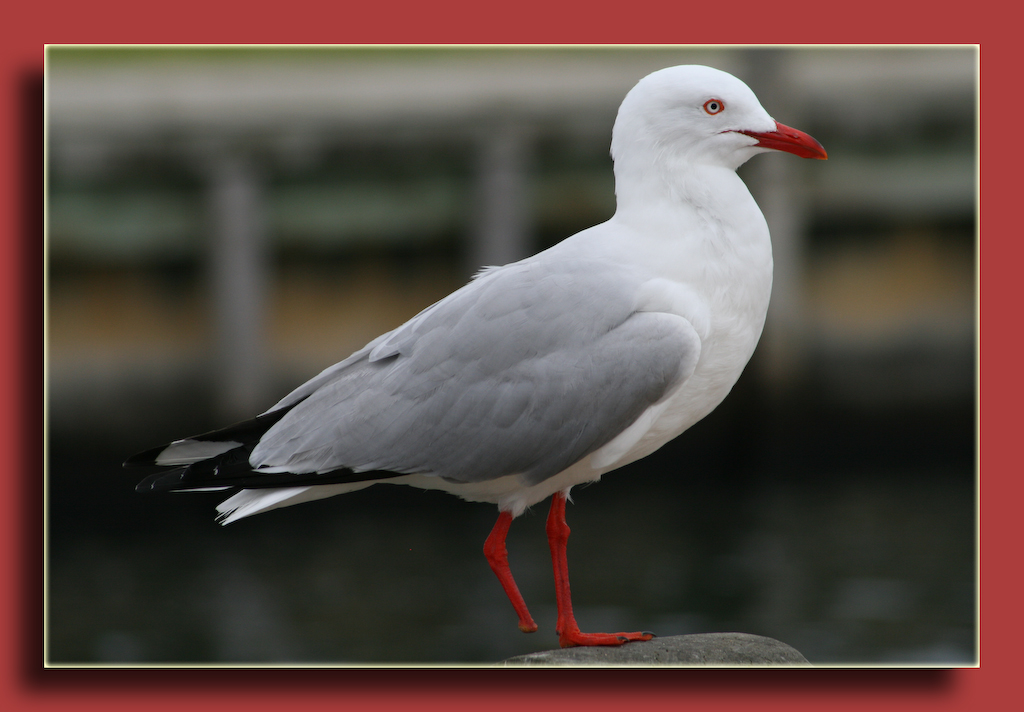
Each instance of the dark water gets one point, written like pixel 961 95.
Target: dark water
pixel 849 537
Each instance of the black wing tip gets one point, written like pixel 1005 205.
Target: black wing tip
pixel 187 479
pixel 163 481
pixel 247 432
pixel 146 458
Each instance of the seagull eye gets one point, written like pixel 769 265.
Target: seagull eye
pixel 714 106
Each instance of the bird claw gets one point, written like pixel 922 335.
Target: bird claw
pixel 575 638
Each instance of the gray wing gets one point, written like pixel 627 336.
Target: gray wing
pixel 524 371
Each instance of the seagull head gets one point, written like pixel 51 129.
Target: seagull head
pixel 700 115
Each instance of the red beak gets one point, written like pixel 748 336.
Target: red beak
pixel 784 138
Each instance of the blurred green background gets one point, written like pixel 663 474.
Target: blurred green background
pixel 224 223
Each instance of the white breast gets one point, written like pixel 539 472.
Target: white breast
pixel 711 263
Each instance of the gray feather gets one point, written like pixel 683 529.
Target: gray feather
pixel 524 371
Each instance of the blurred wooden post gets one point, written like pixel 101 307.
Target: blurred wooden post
pixel 503 218
pixel 238 275
pixel 774 181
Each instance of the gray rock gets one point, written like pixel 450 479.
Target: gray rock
pixel 730 649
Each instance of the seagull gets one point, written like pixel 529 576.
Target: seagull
pixel 546 373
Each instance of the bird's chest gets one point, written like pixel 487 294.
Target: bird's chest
pixel 723 291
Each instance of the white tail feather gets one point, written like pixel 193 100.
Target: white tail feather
pixel 255 501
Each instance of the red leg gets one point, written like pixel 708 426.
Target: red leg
pixel 568 631
pixel 497 557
